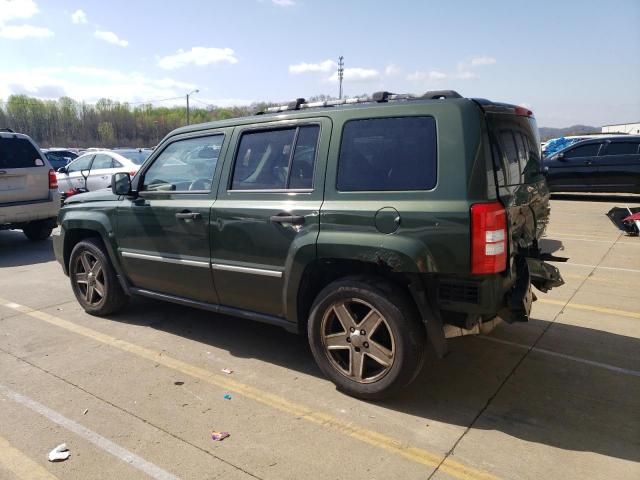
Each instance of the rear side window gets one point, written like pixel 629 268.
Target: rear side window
pixel 17 153
pixel 276 159
pixel 103 161
pixel 388 154
pixel 590 150
pixel 622 148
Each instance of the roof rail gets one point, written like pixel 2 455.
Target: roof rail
pixel 377 97
pixel 6 130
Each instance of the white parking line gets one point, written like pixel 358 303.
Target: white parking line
pixel 634 270
pixel 606 366
pixel 98 440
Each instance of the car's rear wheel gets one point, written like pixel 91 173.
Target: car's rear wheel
pixel 94 280
pixel 38 230
pixel 366 336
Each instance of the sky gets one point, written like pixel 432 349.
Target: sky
pixel 571 62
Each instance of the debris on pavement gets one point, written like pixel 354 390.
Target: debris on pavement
pixel 85 411
pixel 60 453
pixel 178 383
pixel 228 371
pixel 219 436
pixel 625 219
pixel 227 396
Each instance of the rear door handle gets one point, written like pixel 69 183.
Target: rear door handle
pixel 292 219
pixel 188 216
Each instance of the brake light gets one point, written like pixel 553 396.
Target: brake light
pixel 53 180
pixel 523 112
pixel 488 238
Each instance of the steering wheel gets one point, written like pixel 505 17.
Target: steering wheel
pixel 200 184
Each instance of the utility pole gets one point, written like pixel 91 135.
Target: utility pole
pixel 340 74
pixel 188 94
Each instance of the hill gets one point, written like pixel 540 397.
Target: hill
pixel 547 133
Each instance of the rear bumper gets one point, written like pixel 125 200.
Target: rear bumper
pixel 20 213
pixel 508 296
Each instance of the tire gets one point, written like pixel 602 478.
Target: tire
pixel 352 360
pixel 38 230
pixel 94 280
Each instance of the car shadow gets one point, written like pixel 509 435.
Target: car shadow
pixel 548 400
pixel 621 198
pixel 17 250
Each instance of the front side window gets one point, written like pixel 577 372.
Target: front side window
pixel 185 165
pixel 81 163
pixel 276 159
pixel 388 154
pixel 590 150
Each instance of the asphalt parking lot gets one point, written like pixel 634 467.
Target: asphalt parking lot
pixel 138 395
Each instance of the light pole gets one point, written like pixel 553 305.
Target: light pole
pixel 190 93
pixel 340 74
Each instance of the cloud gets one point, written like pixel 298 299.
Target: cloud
pixel 482 61
pixel 423 76
pixel 79 17
pixel 198 56
pixel 284 3
pixel 110 37
pixel 392 70
pixel 17 9
pixel 326 66
pixel 357 74
pixel 88 83
pixel 19 32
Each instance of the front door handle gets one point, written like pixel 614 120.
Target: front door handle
pixel 188 216
pixel 292 219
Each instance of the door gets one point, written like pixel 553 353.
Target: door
pixel 73 178
pixel 267 208
pixel 23 174
pixel 163 234
pixel 574 168
pixel 619 166
pixel 101 170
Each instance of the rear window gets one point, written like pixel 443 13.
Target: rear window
pixel 515 148
pixel 622 148
pixel 388 154
pixel 17 153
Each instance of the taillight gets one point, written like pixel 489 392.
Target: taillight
pixel 53 180
pixel 488 238
pixel 524 112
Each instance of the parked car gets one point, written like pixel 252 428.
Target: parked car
pixel 364 226
pixel 136 155
pixel 59 157
pixel 604 164
pixel 29 199
pixel 97 166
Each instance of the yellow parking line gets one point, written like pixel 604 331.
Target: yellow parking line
pixel 592 308
pixel 384 442
pixel 20 465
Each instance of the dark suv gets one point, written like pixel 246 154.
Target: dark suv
pixel 365 224
pixel 606 164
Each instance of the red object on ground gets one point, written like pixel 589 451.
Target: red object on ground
pixel 631 218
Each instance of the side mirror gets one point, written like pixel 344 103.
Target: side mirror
pixel 121 183
pixel 63 170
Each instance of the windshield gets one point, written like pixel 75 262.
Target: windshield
pixel 136 156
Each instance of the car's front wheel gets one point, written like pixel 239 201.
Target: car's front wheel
pixel 366 336
pixel 94 280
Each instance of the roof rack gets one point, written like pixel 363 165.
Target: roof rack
pixel 6 130
pixel 377 97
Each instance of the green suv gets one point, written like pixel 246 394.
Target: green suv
pixel 366 224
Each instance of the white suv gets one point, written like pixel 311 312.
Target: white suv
pixel 29 198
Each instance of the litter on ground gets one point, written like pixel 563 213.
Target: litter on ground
pixel 228 371
pixel 60 453
pixel 227 396
pixel 219 436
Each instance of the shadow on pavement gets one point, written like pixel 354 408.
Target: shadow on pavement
pixel 548 400
pixel 17 250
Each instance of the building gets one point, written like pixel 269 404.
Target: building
pixel 622 128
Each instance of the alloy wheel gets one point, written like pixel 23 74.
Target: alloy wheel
pixel 89 277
